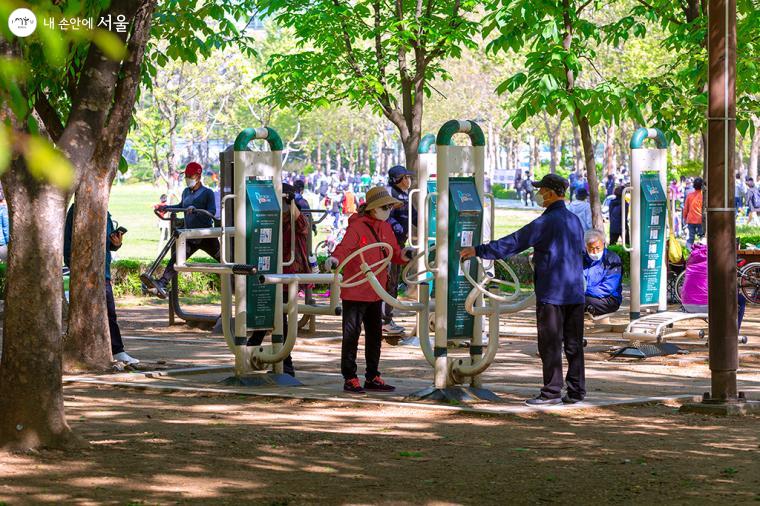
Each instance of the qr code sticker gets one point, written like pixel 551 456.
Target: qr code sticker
pixel 653 234
pixel 656 219
pixel 651 264
pixel 653 248
pixel 265 237
pixel 467 238
pixel 264 263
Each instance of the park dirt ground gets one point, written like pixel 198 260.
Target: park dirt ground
pixel 149 447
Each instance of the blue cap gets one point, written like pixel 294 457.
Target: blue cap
pixel 397 171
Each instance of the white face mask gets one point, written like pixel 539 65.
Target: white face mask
pixel 382 214
pixel 540 199
pixel 190 182
pixel 595 256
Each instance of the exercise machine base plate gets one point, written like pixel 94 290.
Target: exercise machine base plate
pixel 646 351
pixel 454 395
pixel 262 380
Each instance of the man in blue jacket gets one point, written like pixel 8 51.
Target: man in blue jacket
pixel 399 183
pixel 195 196
pixel 557 241
pixel 603 273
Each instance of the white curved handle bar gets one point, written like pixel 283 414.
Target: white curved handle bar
pixel 428 267
pixel 376 267
pixel 409 219
pixel 622 222
pixel 415 280
pixel 489 279
pixel 224 235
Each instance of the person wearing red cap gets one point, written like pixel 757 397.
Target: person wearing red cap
pixel 195 196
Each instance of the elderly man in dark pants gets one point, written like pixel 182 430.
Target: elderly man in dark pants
pixel 557 240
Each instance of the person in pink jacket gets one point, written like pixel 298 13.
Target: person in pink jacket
pixel 361 304
pixel 694 291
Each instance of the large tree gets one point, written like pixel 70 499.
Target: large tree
pixel 560 75
pixel 381 54
pixel 88 109
pixel 35 178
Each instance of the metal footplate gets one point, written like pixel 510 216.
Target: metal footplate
pixel 651 329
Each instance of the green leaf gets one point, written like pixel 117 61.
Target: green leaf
pixel 110 44
pixel 123 165
pixel 47 163
pixel 5 148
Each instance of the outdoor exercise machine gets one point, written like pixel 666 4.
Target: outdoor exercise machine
pixel 459 287
pixel 255 187
pixel 205 321
pixel 252 263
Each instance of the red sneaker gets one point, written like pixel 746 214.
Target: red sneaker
pixel 378 385
pixel 353 386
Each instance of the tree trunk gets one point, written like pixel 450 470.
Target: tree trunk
pixel 754 153
pixel 536 155
pixel 87 343
pixel 740 168
pixel 590 166
pixel 609 151
pixel 578 165
pixel 31 395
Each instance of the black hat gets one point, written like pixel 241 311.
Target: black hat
pixel 397 172
pixel 557 184
pixel 581 194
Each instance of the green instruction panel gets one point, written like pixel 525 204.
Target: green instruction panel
pixel 465 229
pixel 263 215
pixel 652 230
pixel 432 185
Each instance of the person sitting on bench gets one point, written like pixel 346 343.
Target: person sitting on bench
pixel 603 275
pixel 694 291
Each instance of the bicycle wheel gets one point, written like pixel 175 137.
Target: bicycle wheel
pixel 749 282
pixel 679 286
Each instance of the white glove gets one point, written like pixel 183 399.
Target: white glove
pixel 331 263
pixel 408 253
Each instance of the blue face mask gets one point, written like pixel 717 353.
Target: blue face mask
pixel 595 256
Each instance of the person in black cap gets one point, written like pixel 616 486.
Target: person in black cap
pixel 557 240
pixel 399 181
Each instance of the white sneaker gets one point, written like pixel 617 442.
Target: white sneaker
pixel 392 329
pixel 123 357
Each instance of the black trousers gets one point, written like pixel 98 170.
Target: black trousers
pixel 614 236
pixel 257 337
pixel 354 314
pixel 210 246
pixel 117 345
pixel 394 272
pixel 601 305
pixel 561 327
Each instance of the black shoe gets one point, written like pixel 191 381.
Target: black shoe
pixel 378 385
pixel 540 400
pixel 570 400
pixel 353 386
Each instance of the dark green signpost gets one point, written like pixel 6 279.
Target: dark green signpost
pixel 652 236
pixel 263 217
pixel 465 226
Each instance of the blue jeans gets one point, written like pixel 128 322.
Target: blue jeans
pixel 694 230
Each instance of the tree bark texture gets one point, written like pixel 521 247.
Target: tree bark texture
pixel 87 344
pixel 31 394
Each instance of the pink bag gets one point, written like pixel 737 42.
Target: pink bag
pixel 694 289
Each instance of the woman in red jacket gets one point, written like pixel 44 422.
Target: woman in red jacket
pixel 361 304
